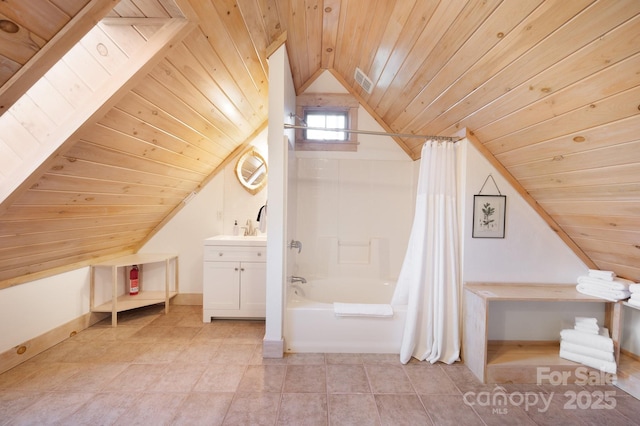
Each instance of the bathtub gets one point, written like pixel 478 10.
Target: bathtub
pixel 310 324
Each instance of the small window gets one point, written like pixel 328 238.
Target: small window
pixel 327 111
pixel 325 120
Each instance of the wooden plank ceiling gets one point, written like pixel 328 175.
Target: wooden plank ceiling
pixel 550 89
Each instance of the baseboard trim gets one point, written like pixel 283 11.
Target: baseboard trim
pixel 32 347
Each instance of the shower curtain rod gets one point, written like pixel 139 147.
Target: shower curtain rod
pixel 371 132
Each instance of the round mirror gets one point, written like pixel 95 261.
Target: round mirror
pixel 251 171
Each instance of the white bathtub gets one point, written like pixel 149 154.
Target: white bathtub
pixel 312 326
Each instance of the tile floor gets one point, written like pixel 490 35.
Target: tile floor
pixel 173 369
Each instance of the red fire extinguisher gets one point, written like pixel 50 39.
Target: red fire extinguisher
pixel 133 281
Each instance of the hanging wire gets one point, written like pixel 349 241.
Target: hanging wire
pixel 494 183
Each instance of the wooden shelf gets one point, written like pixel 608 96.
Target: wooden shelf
pixel 629 374
pixel 530 292
pixel 514 361
pixel 518 361
pixel 126 302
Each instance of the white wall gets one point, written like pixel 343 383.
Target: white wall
pixel 281 106
pixel 210 212
pixel 34 308
pixel 530 252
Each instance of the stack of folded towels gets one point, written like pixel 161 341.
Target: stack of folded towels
pixel 634 300
pixel 588 344
pixel 604 284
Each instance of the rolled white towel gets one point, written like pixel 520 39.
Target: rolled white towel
pixel 587 328
pixel 634 288
pixel 587 351
pixel 611 295
pixel 634 302
pixel 601 342
pixel 362 310
pixel 606 366
pixel 615 284
pixel 586 320
pixel 605 275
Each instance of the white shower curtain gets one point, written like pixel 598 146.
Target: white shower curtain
pixel 428 281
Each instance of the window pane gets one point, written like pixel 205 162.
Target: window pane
pixel 330 120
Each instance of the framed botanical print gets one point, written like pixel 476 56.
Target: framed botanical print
pixel 489 215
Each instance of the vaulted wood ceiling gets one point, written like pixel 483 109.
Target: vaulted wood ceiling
pixel 160 95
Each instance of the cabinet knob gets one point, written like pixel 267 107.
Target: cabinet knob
pixel 242 269
pixel 220 254
pixel 259 253
pixel 236 269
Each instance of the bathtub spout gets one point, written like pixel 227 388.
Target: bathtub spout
pixel 294 279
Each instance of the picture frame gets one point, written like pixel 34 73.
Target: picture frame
pixel 489 216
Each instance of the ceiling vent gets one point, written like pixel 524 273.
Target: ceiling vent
pixel 364 81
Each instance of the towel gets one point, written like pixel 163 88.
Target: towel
pixel 586 321
pixel 611 295
pixel 587 351
pixel 587 328
pixel 606 366
pixel 362 310
pixel 262 219
pixel 634 301
pixel 634 288
pixel 605 275
pixel 615 284
pixel 601 342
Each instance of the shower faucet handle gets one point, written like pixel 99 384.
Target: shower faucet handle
pixel 296 244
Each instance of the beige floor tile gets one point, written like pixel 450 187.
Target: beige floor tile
pixel 152 409
pixel 179 377
pixel 380 358
pixel 398 410
pixel 198 351
pixel 203 409
pixel 300 409
pixel 102 409
pixel 450 410
pixel 343 358
pixel 253 409
pixel 347 379
pixel 353 409
pixel 220 378
pixel 388 378
pixel 156 352
pixel 13 402
pixel 305 359
pixel 430 379
pixel 305 378
pixel 48 377
pixel 174 369
pixel 51 408
pixel 263 378
pixel 136 378
pixel 91 377
pixel 235 353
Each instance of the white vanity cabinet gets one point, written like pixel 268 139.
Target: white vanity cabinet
pixel 234 277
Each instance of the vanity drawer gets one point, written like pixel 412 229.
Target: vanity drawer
pixel 232 253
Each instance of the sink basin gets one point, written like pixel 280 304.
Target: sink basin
pixel 237 240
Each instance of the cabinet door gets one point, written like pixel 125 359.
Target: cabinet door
pixel 221 285
pixel 253 287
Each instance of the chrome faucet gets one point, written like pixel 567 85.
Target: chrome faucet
pixel 294 279
pixel 249 230
pixel 295 244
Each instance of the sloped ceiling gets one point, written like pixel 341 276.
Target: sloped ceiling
pixel 549 90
